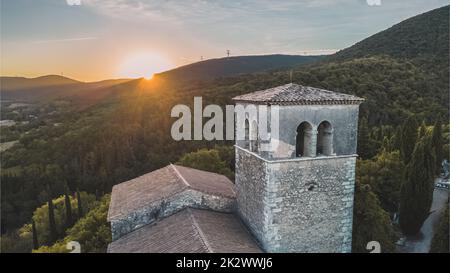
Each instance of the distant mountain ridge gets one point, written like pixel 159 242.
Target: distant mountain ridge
pixel 18 83
pixel 55 87
pixel 237 65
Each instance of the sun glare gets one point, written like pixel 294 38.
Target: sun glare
pixel 143 65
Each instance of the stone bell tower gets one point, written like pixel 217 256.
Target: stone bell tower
pixel 297 195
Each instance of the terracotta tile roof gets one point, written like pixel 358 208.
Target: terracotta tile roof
pixel 188 231
pixel 297 94
pixel 207 182
pixel 137 193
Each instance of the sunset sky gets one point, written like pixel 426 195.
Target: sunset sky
pixel 102 39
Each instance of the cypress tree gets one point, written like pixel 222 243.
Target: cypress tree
pixel 364 139
pixel 422 130
pixel 371 222
pixel 51 220
pixel 80 206
pixel 437 143
pixel 386 146
pixel 397 138
pixel 35 236
pixel 417 191
pixel 68 205
pixel 379 133
pixel 408 138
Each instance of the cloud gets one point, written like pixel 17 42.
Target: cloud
pixel 64 40
pixel 246 25
pixel 133 9
pixel 171 10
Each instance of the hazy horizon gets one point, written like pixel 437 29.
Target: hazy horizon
pixel 136 78
pixel 99 40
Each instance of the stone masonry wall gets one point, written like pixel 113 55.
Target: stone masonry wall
pixel 250 185
pixel 168 206
pixel 311 205
pixel 297 205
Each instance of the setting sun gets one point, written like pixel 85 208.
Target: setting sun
pixel 143 65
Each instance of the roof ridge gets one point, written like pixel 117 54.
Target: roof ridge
pixel 199 230
pixel 198 170
pixel 294 93
pixel 198 189
pixel 180 176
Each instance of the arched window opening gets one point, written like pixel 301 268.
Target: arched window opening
pixel 254 137
pixel 247 135
pixel 324 139
pixel 304 140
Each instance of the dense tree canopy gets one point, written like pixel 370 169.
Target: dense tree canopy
pixel 40 221
pixel 371 222
pixel 385 175
pixel 92 231
pixel 214 160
